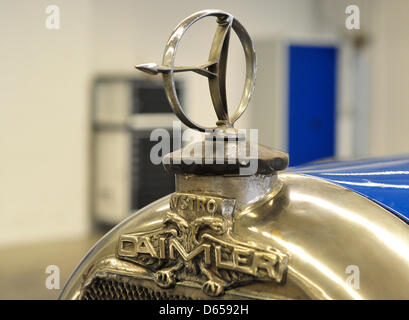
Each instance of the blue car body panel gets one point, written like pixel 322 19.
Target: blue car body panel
pixel 383 180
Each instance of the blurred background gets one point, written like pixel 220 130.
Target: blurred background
pixel 76 117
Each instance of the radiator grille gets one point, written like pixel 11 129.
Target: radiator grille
pixel 124 289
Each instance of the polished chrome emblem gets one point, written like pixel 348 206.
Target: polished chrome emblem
pixel 196 245
pixel 214 69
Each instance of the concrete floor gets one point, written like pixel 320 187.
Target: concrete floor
pixel 23 268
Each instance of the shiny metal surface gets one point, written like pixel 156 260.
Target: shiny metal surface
pixel 383 180
pixel 214 69
pixel 322 227
pixel 245 190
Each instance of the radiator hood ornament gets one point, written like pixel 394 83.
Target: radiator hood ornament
pixel 214 69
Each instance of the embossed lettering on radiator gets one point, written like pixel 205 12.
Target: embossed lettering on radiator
pixel 196 244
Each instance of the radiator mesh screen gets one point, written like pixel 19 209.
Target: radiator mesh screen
pixel 118 289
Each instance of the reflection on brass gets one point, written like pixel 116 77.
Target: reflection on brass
pixel 322 228
pixel 196 244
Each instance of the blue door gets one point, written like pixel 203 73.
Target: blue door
pixel 311 103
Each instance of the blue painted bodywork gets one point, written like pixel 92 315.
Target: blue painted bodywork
pixel 383 180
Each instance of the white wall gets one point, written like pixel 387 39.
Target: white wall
pixel 390 78
pixel 43 121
